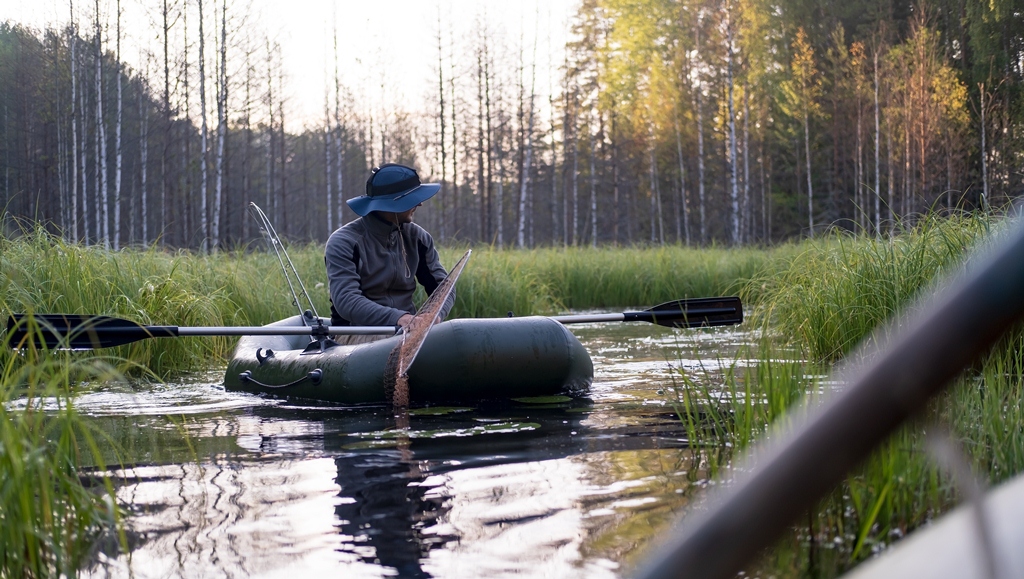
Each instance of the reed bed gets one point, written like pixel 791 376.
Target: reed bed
pixel 246 286
pixel 832 293
pixel 815 306
pixel 52 511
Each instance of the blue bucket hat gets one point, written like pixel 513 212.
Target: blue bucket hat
pixel 393 188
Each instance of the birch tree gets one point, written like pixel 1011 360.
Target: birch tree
pixel 101 139
pixel 73 41
pixel 119 153
pixel 222 125
pixel 802 91
pixel 203 169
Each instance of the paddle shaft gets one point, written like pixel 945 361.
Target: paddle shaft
pixel 83 332
pixel 277 330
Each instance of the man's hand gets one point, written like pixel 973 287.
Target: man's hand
pixel 405 320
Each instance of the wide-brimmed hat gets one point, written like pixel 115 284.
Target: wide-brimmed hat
pixel 393 188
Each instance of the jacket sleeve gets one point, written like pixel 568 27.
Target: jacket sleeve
pixel 341 256
pixel 430 272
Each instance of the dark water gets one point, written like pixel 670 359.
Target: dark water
pixel 270 488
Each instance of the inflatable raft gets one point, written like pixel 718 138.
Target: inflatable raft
pixel 463 359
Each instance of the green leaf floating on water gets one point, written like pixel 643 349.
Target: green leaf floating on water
pixel 438 410
pixel 387 438
pixel 543 399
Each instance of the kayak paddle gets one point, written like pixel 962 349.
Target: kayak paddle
pixel 86 332
pixel 688 313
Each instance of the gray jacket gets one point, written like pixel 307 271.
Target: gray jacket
pixel 372 270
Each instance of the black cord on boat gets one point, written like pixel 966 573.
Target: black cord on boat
pixel 314 376
pixel 275 242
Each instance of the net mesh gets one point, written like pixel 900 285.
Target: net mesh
pixel 396 372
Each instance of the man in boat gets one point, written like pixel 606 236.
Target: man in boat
pixel 375 261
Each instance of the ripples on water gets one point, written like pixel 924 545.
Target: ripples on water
pixel 267 488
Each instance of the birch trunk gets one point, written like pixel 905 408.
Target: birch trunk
pixel 878 182
pixel 222 126
pixel 143 162
pixel 455 142
pixel 118 163
pixel 807 158
pixel 328 170
pixel 85 163
pixel 524 180
pixel 441 115
pixel 164 159
pixel 734 194
pixel 682 185
pixel 102 229
pixel 575 182
pixel 339 143
pixel 271 201
pixel 700 145
pixel 204 223
pixel 984 153
pixel 593 193
pixel 73 41
pixel 748 221
pixel 892 184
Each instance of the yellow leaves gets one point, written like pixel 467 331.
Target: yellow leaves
pixel 951 96
pixel 801 91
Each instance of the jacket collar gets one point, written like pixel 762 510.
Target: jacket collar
pixel 379 228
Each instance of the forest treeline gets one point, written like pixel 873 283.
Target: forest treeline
pixel 670 121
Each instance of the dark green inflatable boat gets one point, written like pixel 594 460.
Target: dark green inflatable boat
pixel 463 359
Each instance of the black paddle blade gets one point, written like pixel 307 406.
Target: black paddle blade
pixel 77 331
pixel 693 313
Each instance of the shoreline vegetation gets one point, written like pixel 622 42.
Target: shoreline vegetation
pixel 814 301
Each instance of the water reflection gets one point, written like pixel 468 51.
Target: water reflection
pixel 270 488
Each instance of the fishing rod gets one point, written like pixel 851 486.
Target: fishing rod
pixel 275 243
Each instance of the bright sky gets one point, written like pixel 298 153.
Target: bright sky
pixel 396 36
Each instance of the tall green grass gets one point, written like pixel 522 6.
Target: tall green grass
pixel 246 286
pixel 606 277
pixel 51 510
pixel 832 293
pixel 815 306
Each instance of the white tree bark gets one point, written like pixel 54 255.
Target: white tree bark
pixel 748 221
pixel 222 125
pixel 575 180
pixel 204 223
pixel 524 181
pixel 339 166
pixel 807 158
pixel 593 192
pixel 701 200
pixel 103 229
pixel 143 163
pixel 984 152
pixel 119 162
pixel 682 184
pixel 73 41
pixel 734 196
pixel 878 181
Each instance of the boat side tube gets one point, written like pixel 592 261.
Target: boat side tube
pixel 463 359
